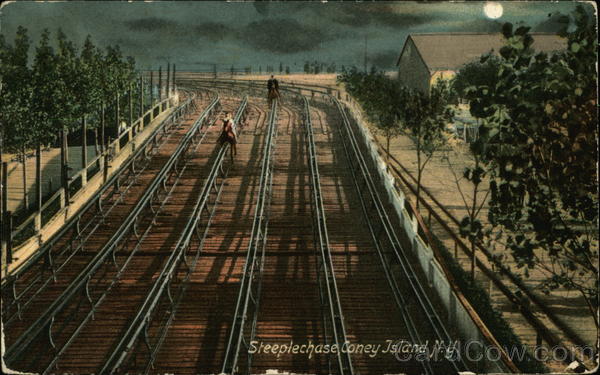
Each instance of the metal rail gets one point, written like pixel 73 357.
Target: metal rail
pixel 393 253
pixel 249 295
pixel 53 261
pixel 81 284
pixel 325 272
pixel 161 288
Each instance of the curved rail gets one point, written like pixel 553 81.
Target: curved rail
pixel 20 299
pixel 325 271
pixel 249 295
pixel 162 286
pixel 391 252
pixel 80 286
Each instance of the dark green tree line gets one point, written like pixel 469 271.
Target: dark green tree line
pixel 59 89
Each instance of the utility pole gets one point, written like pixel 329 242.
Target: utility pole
pixel 168 79
pixel 160 83
pixel 173 83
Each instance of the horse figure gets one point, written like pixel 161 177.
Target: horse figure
pixel 272 95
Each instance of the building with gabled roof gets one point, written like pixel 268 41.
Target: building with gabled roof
pixel 427 57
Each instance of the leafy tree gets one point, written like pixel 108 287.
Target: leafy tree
pixel 481 74
pixel 424 118
pixel 541 156
pixel 18 132
pixel 287 70
pixel 306 67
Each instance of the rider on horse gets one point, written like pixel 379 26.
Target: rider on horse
pixel 273 87
pixel 229 134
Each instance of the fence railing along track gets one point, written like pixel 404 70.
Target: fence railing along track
pixel 388 245
pixel 80 286
pixel 51 261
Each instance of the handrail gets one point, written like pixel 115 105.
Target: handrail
pixel 44 252
pixel 81 281
pixel 253 267
pixel 161 286
pixel 328 280
pixel 93 200
pixel 90 164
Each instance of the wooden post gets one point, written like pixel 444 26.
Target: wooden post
pixel 117 113
pixel 64 162
pixel 141 101
pixel 83 150
pixel 168 79
pixel 173 83
pixel 8 236
pixel 151 88
pixel 38 187
pixel 102 126
pixel 159 83
pixel 24 164
pixel 4 191
pixel 130 94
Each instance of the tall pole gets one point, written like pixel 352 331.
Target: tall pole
pixel 84 150
pixel 141 97
pixel 168 79
pixel 64 161
pixel 151 88
pixel 174 85
pixel 159 83
pixel 130 95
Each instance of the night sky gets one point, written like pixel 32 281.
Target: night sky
pixel 195 35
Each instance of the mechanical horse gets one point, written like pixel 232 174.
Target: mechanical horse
pixel 272 95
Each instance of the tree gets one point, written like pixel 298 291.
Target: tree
pixel 541 156
pixel 287 70
pixel 306 67
pixel 424 120
pixel 18 132
pixel 280 67
pixel 482 74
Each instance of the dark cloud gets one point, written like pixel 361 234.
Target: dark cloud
pixel 378 14
pixel 384 60
pixel 482 26
pixel 151 24
pixel 283 36
pixel 214 31
pixel 555 23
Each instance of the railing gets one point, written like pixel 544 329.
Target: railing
pixel 325 271
pixel 247 305
pixel 55 259
pixel 81 285
pixel 471 324
pixel 161 288
pixel 38 221
pixel 389 248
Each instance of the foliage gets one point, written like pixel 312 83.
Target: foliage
pixel 16 92
pixel 492 318
pixel 474 80
pixel 539 148
pixel 38 100
pixel 396 109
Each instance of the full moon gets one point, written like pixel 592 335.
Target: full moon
pixel 492 9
